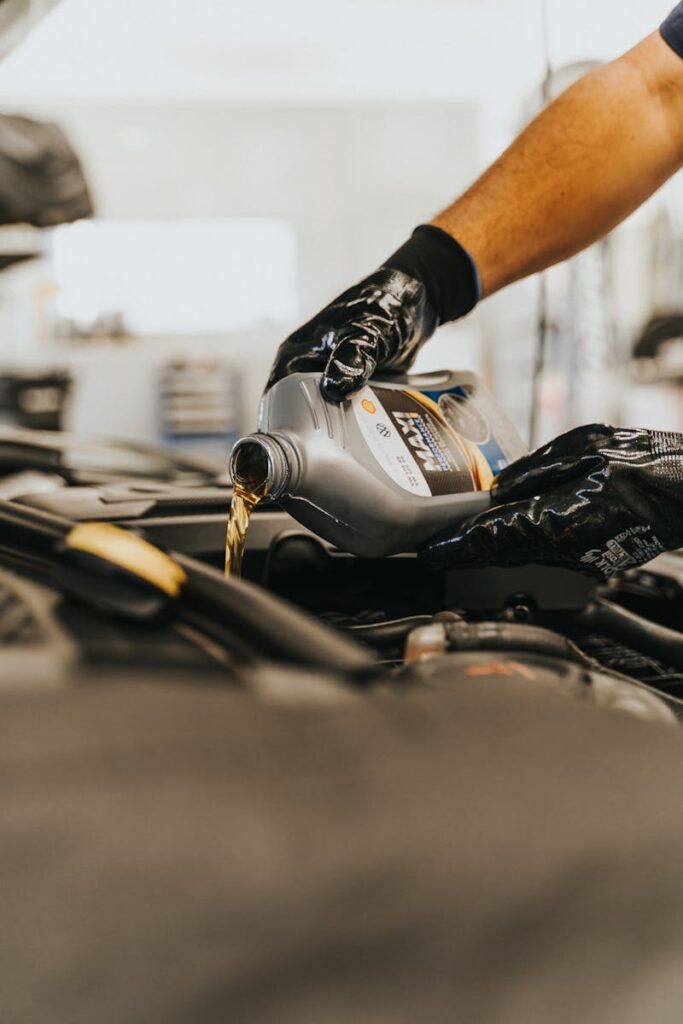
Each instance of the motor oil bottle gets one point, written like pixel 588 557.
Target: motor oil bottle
pixel 383 471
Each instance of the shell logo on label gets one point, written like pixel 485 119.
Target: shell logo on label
pixel 369 406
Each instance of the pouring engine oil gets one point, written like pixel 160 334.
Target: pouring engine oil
pixel 250 486
pixel 379 473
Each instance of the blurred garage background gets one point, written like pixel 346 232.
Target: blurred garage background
pixel 249 160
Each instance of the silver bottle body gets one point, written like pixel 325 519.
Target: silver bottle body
pixel 326 471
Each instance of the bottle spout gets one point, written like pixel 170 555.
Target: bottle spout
pixel 259 464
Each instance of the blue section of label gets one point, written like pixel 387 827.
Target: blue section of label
pixel 491 449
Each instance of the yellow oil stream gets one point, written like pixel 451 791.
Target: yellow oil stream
pixel 245 498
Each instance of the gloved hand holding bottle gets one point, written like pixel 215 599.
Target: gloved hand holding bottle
pixel 382 322
pixel 597 499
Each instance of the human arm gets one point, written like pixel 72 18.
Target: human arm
pixel 582 166
pixel 579 168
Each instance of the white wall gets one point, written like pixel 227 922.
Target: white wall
pixel 352 180
pixel 322 50
pixel 353 118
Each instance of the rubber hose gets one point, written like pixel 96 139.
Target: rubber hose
pixel 512 636
pixel 267 624
pixel 21 526
pixel 660 642
pixel 386 634
pixel 270 626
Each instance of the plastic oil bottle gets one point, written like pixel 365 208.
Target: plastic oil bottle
pixel 379 473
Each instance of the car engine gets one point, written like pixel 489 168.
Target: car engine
pixel 343 621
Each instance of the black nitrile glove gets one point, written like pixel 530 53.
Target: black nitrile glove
pixel 382 322
pixel 597 499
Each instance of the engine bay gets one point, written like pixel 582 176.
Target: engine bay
pixel 617 643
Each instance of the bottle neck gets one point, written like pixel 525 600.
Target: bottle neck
pixel 260 457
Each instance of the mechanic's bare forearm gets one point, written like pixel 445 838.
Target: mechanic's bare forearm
pixel 577 170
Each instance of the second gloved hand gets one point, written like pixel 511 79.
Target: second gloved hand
pixel 381 323
pixel 597 499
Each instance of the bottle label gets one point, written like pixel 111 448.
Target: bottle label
pixel 410 436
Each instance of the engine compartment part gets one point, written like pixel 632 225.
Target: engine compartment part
pixel 307 605
pixel 211 822
pixel 653 639
pixel 232 623
pixel 278 631
pixel 538 586
pixel 99 461
pixel 247 618
pixel 531 672
pixel 118 571
pixel 459 635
